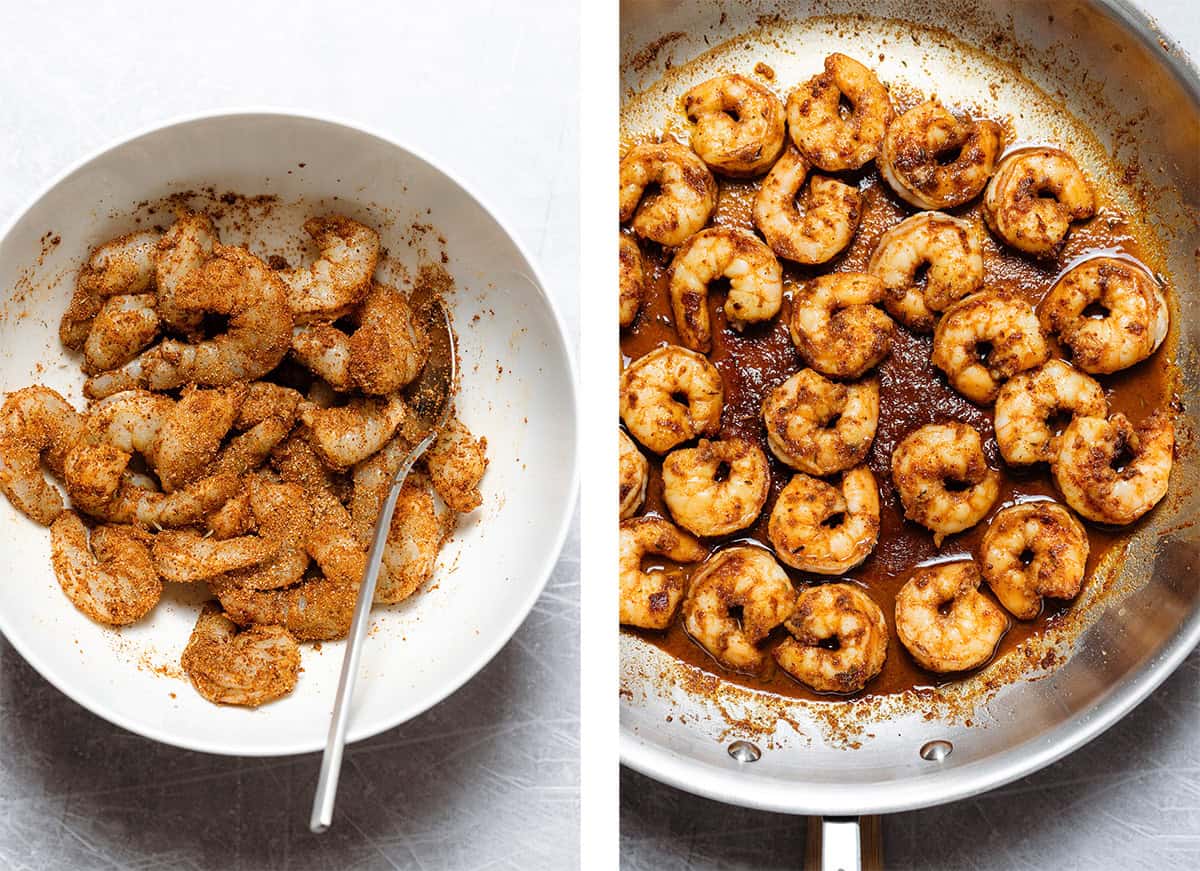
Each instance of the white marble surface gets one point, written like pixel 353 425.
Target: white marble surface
pixel 487 779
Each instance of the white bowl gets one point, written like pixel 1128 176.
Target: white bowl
pixel 518 390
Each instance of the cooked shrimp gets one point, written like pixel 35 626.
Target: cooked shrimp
pixel 248 668
pixel 111 579
pixel 846 616
pixel 739 125
pixel 826 225
pixel 634 474
pixel 716 488
pixel 1112 472
pixel 944 621
pixel 282 517
pixel 984 340
pixel 817 527
pixel 456 462
pixel 233 283
pixel 649 599
pixel 183 249
pixel 1034 196
pixel 124 326
pixel 815 121
pixel 755 282
pixel 632 280
pixel 1032 550
pixel 943 478
pixel 119 267
pixel 1133 314
pixel 1027 402
pixel 191 433
pixel 183 555
pixel 916 151
pixel 737 577
pixel 949 251
pixel 340 277
pixel 820 426
pixel 36 424
pixel 670 396
pixel 345 435
pixel 420 526
pixel 687 192
pixel 835 326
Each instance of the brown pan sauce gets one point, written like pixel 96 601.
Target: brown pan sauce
pixel 913 393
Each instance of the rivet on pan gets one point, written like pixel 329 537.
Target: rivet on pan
pixel 744 751
pixel 936 751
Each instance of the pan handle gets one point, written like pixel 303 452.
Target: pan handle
pixel 844 844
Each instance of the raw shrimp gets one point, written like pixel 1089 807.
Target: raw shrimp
pixel 827 529
pixel 191 433
pixel 456 462
pixel 835 326
pixel 1029 401
pixel 755 282
pixel 943 478
pixel 820 426
pixel 984 340
pixel 815 121
pixel 915 159
pixel 717 487
pixel 112 579
pixel 670 396
pixel 687 192
pixel 739 125
pixel 847 617
pixel 632 280
pixel 825 226
pixel 944 621
pixel 1034 196
pixel 183 555
pixel 119 267
pixel 649 599
pixel 250 668
pixel 634 474
pixel 265 418
pixel 282 517
pixel 1132 314
pixel 124 326
pixel 1032 550
pixel 421 525
pixel 1112 472
pixel 340 277
pixel 737 577
pixel 36 424
pixel 183 249
pixel 348 434
pixel 947 251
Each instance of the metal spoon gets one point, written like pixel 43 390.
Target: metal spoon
pixel 429 400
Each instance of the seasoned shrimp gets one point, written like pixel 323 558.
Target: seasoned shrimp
pixel 943 478
pixel 1034 196
pixel 984 340
pixel 649 599
pixel 820 426
pixel 1112 472
pixel 1029 401
pixel 191 433
pixel 420 527
pixel 264 419
pixel 347 434
pixel 817 527
pixel 739 125
pixel 914 160
pixel 830 141
pixel 632 280
pixel 340 277
pixel 456 462
pixel 846 616
pixel 825 226
pixel 670 396
pixel 947 250
pixel 112 579
pixel 282 517
pixel 247 668
pixel 124 326
pixel 119 267
pixel 1132 320
pixel 1032 550
pixel 716 488
pixel 234 283
pixel 944 621
pixel 737 577
pixel 835 326
pixel 183 248
pixel 36 424
pixel 687 192
pixel 634 473
pixel 755 282
pixel 183 555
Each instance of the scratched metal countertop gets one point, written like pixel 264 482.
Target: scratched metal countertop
pixel 1129 799
pixel 490 777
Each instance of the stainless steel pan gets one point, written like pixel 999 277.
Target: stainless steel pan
pixel 1113 71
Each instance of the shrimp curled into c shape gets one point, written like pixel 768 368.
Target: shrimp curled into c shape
pixel 649 599
pixel 1027 402
pixel 632 280
pixel 250 668
pixel 340 278
pixel 652 388
pixel 1032 550
pixel 835 326
pixel 820 426
pixel 687 192
pixel 826 225
pixel 120 267
pixel 849 617
pixel 1016 205
pixel 634 474
pixel 716 488
pixel 739 124
pixel 36 423
pixel 112 578
pixel 815 121
pixel 817 527
pixel 944 621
